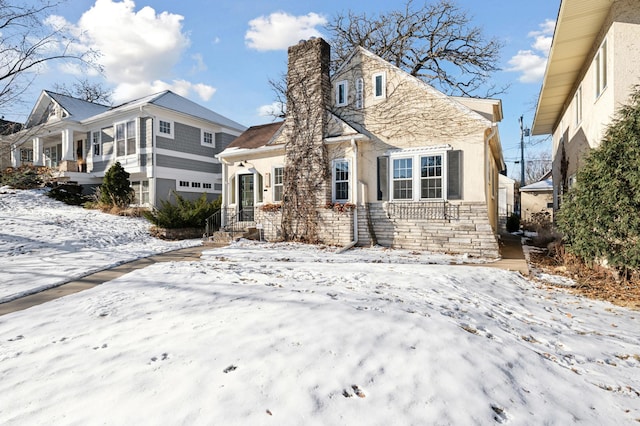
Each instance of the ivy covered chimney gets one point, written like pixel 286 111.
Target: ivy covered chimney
pixel 307 180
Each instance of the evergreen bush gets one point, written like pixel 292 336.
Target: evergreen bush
pixel 183 213
pixel 116 189
pixel 599 215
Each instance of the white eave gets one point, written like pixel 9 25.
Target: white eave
pixel 577 27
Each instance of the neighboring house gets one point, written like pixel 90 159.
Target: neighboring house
pixel 592 68
pixel 165 141
pixel 537 198
pixel 6 128
pixel 506 198
pixel 400 164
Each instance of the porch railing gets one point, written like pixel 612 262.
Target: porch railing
pixel 430 210
pixel 235 221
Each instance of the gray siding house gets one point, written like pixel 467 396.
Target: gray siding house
pixel 166 142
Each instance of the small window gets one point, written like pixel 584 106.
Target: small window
pixel 342 93
pixel 165 127
pixel 195 184
pixel 207 138
pixel 403 178
pixel 359 93
pixel 95 143
pixel 600 64
pixel 341 180
pixel 278 184
pixel 578 105
pixel 379 86
pixel 206 185
pixel 184 183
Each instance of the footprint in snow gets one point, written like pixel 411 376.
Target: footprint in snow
pixel 163 357
pixel 500 415
pixel 356 390
pixel 15 339
pixel 229 369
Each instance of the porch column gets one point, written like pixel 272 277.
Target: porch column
pixel 38 159
pixel 15 156
pixel 67 145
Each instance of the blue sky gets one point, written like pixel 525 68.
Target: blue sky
pixel 222 54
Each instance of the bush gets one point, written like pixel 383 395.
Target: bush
pixel 184 213
pixel 116 189
pixel 599 215
pixel 25 177
pixel 513 223
pixel 69 194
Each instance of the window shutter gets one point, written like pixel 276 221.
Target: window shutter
pixel 454 175
pixel 383 178
pixel 232 189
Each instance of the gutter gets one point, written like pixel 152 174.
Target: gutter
pixel 354 146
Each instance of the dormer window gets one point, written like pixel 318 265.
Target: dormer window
pixel 379 86
pixel 342 93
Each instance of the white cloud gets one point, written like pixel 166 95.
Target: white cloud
pixel 272 110
pixel 531 63
pixel 138 49
pixel 281 30
pixel 199 65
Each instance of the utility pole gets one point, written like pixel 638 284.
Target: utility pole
pixel 521 152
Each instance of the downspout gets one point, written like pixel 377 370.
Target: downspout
pixel 354 147
pixel 153 189
pixel 494 130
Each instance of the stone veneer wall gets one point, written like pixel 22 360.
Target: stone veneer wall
pixel 471 233
pixel 334 228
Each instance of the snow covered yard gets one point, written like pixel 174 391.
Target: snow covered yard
pixel 44 242
pixel 288 334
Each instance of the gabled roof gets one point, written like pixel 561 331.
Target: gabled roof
pixel 76 109
pixel 256 136
pixel 577 27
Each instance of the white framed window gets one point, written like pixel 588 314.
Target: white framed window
pixel 379 85
pixel 578 105
pixel 600 64
pixel 166 128
pixel 359 93
pixel 340 177
pixel 125 138
pixel 431 169
pixel 402 178
pixel 342 93
pixel 208 138
pixel 26 155
pixel 95 143
pixel 278 184
pixel 141 191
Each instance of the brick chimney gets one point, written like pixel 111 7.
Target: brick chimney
pixel 307 177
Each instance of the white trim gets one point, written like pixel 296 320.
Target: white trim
pixel 416 154
pixel 172 126
pixel 349 181
pixel 186 156
pixel 345 84
pixel 383 77
pixel 273 183
pixel 213 137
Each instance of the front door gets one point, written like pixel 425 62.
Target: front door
pixel 245 189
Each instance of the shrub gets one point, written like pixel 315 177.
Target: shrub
pixel 68 193
pixel 25 177
pixel 513 222
pixel 599 215
pixel 116 189
pixel 183 213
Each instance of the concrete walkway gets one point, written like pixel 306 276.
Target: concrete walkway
pixel 97 278
pixel 512 255
pixel 510 250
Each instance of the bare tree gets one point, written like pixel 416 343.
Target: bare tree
pixel 434 42
pixel 536 166
pixel 28 43
pixel 86 90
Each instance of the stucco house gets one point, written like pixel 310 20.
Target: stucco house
pixel 592 68
pixel 536 198
pixel 165 141
pixel 382 157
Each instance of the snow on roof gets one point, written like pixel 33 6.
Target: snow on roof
pixel 543 185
